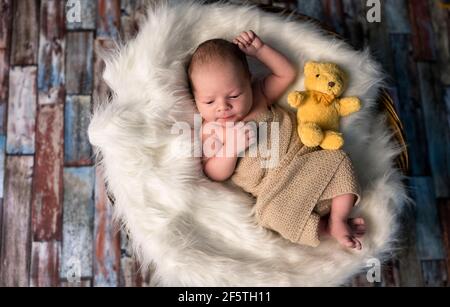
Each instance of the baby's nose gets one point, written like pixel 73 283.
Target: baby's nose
pixel 331 84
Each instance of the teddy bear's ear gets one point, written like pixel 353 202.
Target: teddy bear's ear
pixel 310 67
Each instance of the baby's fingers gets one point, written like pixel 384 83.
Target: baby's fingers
pixel 246 37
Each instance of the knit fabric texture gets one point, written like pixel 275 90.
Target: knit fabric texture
pixel 292 194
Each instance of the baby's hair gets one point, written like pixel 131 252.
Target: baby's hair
pixel 217 49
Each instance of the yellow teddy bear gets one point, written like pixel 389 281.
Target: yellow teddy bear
pixel 319 107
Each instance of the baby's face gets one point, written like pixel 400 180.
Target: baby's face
pixel 222 92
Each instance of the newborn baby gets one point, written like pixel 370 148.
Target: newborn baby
pixel 291 198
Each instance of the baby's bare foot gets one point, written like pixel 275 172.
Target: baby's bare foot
pixel 347 232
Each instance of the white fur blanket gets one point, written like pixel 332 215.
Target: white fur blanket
pixel 202 233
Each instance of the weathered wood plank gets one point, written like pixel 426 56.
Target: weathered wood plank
pixel 354 19
pixel 51 52
pixel 437 130
pixel 81 14
pixel 4 82
pixel 133 13
pixel 48 174
pixel 334 15
pixel 444 214
pixel 25 37
pixel 78 220
pixel 390 274
pixel 397 16
pixel 409 106
pixel 101 91
pixel 409 266
pixel 5 23
pixel 131 274
pixel 45 264
pixel 423 37
pixel 108 19
pixel 447 103
pixel 83 283
pixel 107 238
pixel 77 149
pixel 429 236
pixel 312 8
pixel 79 62
pixel 16 243
pixel 21 110
pixel 434 273
pixel 2 163
pixel 441 25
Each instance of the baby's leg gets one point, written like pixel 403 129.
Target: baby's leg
pixel 341 206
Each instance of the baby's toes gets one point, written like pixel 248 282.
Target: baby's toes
pixel 358 244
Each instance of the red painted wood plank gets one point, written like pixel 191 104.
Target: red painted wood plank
pixel 45 264
pixel 353 22
pixel 422 30
pixel 25 34
pixel 5 23
pixel 22 110
pixel 334 15
pixel 79 62
pixel 4 80
pixel 51 52
pixel 108 18
pixel 48 174
pixel 15 241
pixel 107 238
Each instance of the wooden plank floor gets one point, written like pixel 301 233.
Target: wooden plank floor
pixel 55 219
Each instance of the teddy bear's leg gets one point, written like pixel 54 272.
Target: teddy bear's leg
pixel 332 140
pixel 310 134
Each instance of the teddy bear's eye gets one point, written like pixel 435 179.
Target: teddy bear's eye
pixel 318 75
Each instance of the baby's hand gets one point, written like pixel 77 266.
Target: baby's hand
pixel 248 42
pixel 242 136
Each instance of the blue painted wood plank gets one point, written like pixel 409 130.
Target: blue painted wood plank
pixel 440 20
pixel 22 110
pixel 80 14
pixel 108 19
pixel 397 16
pixel 409 108
pixel 107 238
pixel 437 130
pixel 16 240
pixel 51 53
pixel 312 8
pixel 78 223
pixel 79 63
pixel 77 149
pixel 429 236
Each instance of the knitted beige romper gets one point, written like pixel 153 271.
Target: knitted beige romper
pixel 293 194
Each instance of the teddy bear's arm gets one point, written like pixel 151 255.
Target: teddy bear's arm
pixel 349 105
pixel 295 99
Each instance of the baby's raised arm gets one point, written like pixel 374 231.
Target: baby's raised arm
pixel 283 72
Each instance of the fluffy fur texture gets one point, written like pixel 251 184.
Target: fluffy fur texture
pixel 202 233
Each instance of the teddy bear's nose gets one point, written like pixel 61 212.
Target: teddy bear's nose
pixel 331 84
